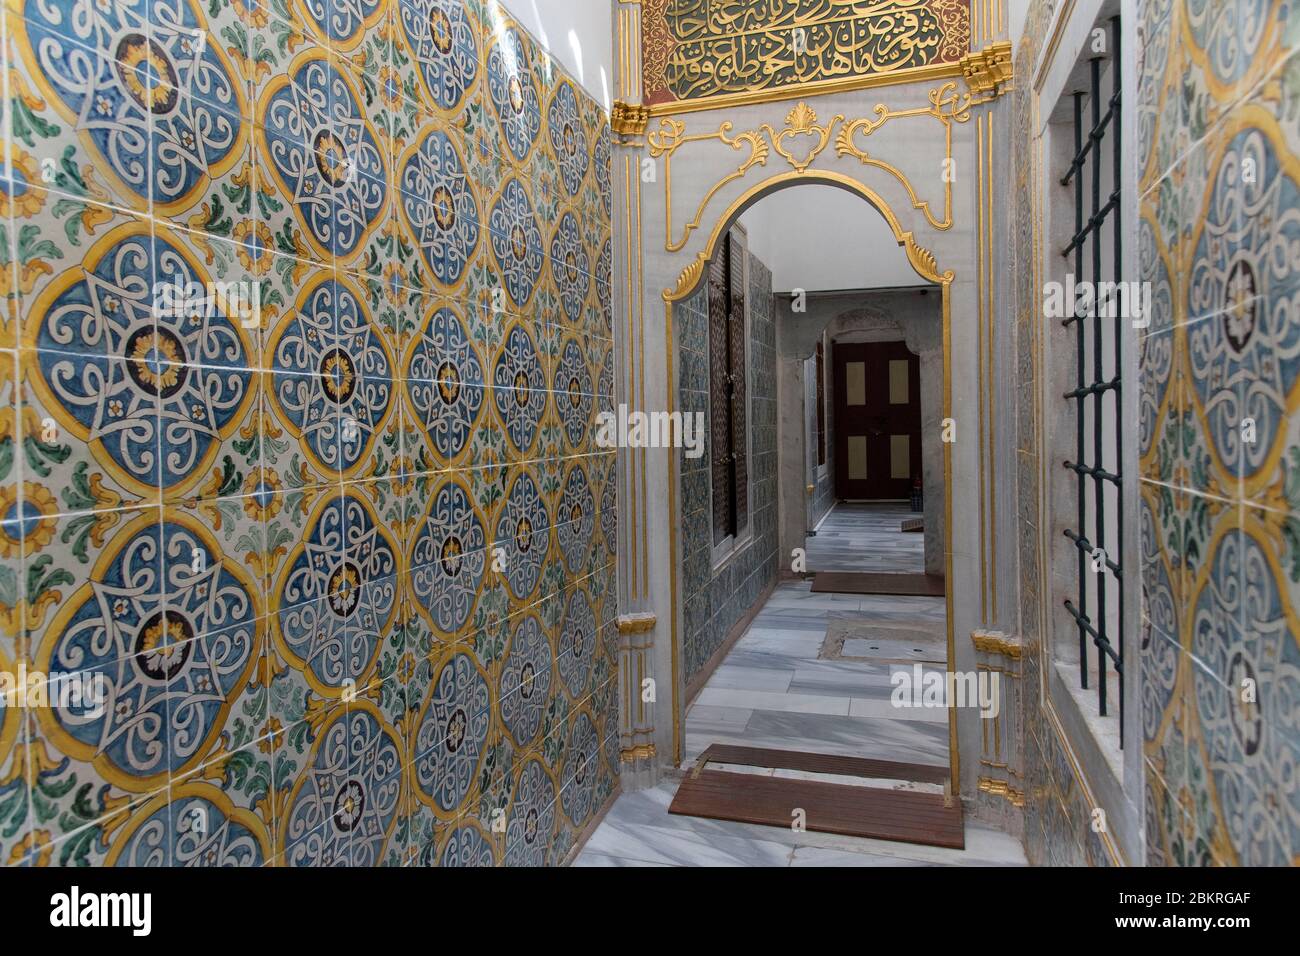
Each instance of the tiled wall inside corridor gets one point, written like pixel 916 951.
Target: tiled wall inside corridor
pixel 338 538
pixel 716 598
pixel 1219 154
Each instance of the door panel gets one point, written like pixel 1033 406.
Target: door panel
pixel 877 403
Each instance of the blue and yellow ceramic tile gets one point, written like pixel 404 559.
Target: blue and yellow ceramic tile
pixel 297 446
pixel 515 88
pixel 83 129
pixel 1210 805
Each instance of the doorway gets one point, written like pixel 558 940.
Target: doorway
pixel 877 411
pixel 796 707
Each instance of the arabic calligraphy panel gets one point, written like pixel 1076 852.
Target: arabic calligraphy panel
pixel 696 49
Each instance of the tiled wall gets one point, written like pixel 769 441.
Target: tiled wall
pixel 1217 103
pixel 1219 153
pixel 345 561
pixel 715 599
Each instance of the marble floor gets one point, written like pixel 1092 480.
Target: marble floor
pixel 865 537
pixel 639 831
pixel 773 690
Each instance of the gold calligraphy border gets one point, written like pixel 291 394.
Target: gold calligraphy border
pixel 658 40
pixel 793 18
pixel 946 105
pixel 915 74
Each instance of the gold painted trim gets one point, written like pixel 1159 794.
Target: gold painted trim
pixel 636 623
pixel 628 119
pixel 673 465
pixel 1001 788
pixel 633 754
pixel 801 121
pixel 991 376
pixel 632 578
pixel 668 138
pixel 946 104
pixel 921 259
pixel 990 70
pixel 995 642
pixel 980 267
pixel 948 107
pixel 923 262
pixel 916 74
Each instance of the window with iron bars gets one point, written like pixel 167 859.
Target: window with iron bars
pixel 1094 260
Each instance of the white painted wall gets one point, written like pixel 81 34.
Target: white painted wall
pixel 823 239
pixel 1018 11
pixel 579 34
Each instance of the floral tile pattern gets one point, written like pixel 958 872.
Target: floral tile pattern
pixel 1221 646
pixel 1219 188
pixel 299 355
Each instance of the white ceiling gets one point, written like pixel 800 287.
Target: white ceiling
pixel 579 34
pixel 821 238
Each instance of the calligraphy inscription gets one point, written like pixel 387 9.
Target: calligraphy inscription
pixel 713 47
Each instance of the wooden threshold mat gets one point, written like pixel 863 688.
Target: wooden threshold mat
pixel 822 763
pixel 912 524
pixel 876 813
pixel 855 582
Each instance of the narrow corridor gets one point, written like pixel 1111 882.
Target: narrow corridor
pixel 865 537
pixel 811 673
pixel 512 433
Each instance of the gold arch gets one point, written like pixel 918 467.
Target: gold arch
pixel 923 262
pixel 921 258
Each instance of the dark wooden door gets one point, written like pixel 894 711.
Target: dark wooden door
pixel 877 402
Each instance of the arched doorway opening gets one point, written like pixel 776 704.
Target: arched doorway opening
pixel 684 306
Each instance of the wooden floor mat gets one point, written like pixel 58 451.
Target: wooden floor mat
pixel 863 811
pixel 912 524
pixel 856 582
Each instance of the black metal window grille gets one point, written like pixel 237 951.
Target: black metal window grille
pixel 1098 558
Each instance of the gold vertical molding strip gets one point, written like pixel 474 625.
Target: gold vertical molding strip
pixel 954 749
pixel 992 370
pixel 980 272
pixel 629 50
pixel 632 578
pixel 639 306
pixel 672 545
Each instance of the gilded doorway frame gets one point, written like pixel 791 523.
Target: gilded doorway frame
pixel 923 263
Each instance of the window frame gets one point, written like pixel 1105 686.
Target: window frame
pixel 1115 776
pixel 726 547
